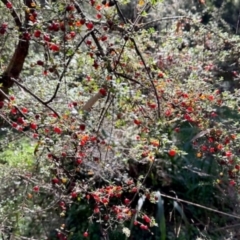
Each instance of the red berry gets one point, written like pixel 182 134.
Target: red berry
pixel 172 153
pixel 134 189
pixel 104 38
pixel 143 227
pixel 33 126
pixel 40 63
pixel 14 110
pixel 96 210
pixel 37 33
pixel 82 127
pixel 9 5
pixel 85 234
pixel 62 204
pixel 4 25
pixel 14 125
pixel 20 120
pixel 24 110
pixel 74 194
pixel 103 91
pixel 137 122
pixel 79 161
pixel 70 7
pixel 237 167
pixel 36 189
pixel 12 98
pixel 26 36
pixel 160 75
pixel 54 47
pixel 89 25
pixel 126 201
pixel 55 180
pixel 228 154
pixel 146 219
pixel 57 130
pixel 89 42
pixel 35 135
pixel 46 38
pixel 232 183
pixel 72 34
pixel 55 26
pixel 82 21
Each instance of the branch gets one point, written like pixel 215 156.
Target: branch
pixel 36 97
pixel 159 20
pixel 148 73
pixel 65 68
pixel 15 66
pixel 128 78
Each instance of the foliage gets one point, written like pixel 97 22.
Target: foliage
pixel 133 128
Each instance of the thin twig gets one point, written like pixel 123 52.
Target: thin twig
pixel 201 206
pixel 65 68
pixel 36 97
pixel 149 75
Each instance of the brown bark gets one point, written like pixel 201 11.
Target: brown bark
pixel 15 65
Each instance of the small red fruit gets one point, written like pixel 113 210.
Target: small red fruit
pixel 46 38
pixel 55 180
pixel 14 125
pixel 146 219
pixel 89 42
pixel 20 120
pixel 137 122
pixel 33 126
pixel 79 161
pixel 62 204
pixel 37 33
pixel 85 234
pixel 96 210
pixel 36 189
pixel 134 189
pixel 57 130
pixel 54 47
pixel 40 63
pixel 172 153
pixel 104 38
pixel 72 34
pixel 24 110
pixel 82 127
pixel 74 194
pixel 126 201
pixel 232 183
pixel 89 25
pixel 70 7
pixel 143 227
pixel 82 21
pixel 103 92
pixel 9 5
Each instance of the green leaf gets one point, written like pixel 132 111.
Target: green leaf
pixel 160 218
